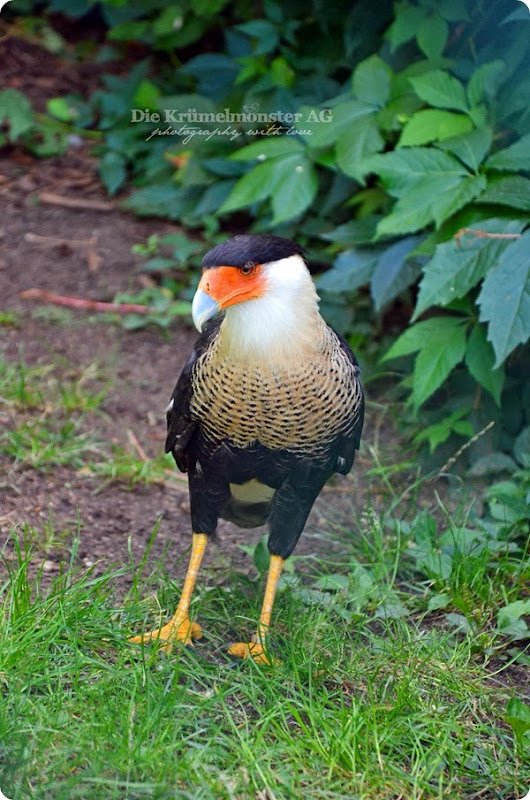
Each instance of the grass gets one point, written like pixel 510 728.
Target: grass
pixel 366 702
pixel 401 663
pixel 53 417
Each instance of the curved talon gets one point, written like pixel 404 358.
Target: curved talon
pixel 170 633
pixel 252 650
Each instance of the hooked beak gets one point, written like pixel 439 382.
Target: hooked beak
pixel 203 308
pixel 221 287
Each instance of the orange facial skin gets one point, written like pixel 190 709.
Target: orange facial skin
pixel 231 285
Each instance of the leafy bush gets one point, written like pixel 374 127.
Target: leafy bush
pixel 41 135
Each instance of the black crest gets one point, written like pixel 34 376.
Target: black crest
pixel 258 248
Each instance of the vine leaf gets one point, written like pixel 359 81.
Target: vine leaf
pixel 505 299
pixel 457 268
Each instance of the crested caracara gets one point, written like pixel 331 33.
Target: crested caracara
pixel 268 406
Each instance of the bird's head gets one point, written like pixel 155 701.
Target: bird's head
pixel 262 284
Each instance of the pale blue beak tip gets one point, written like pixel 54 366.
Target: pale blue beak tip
pixel 203 308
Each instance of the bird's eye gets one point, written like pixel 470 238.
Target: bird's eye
pixel 247 269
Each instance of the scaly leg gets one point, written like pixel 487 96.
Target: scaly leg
pixel 179 628
pixel 256 648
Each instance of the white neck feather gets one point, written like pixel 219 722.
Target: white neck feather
pixel 283 322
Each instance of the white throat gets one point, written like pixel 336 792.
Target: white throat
pixel 284 321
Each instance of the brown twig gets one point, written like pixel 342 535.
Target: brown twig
pixel 484 235
pixel 54 241
pixel 87 305
pixel 136 445
pixel 74 202
pixel 93 260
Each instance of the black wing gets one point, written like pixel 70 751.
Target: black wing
pixel 350 443
pixel 180 426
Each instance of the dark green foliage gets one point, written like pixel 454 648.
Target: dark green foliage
pixel 18 123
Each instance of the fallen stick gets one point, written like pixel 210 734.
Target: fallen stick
pixel 93 260
pixel 55 241
pixel 87 305
pixel 73 202
pixel 137 446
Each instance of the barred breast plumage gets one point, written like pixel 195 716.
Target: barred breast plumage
pixel 300 406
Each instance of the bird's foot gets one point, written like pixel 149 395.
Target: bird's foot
pixel 167 635
pixel 254 650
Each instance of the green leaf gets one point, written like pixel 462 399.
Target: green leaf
pixel 158 264
pixel 433 199
pixel 281 73
pixel 295 187
pixel 513 611
pixel 434 362
pixel 492 464
pixel 256 185
pixel 325 133
pixel 513 191
pixel 430 199
pixel 505 299
pixel 431 125
pixel 351 270
pixel 439 432
pixel 485 81
pixel 438 601
pixel 160 200
pixel 414 338
pixel 453 10
pixel 457 267
pixel 269 148
pixel 16 108
pixel 404 168
pixel 408 216
pixel 112 170
pixel 356 231
pixel 264 32
pixel 371 81
pixel 61 109
pixel 440 89
pixel 168 22
pixel 432 36
pixel 261 557
pixel 470 148
pixel 362 140
pixel 445 205
pixel 50 140
pixel 393 273
pixel 518 717
pixel 332 583
pixel 514 158
pixel 480 360
pixel 147 95
pixel 407 21
pixel 213 198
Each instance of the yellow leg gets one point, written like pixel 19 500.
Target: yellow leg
pixel 256 648
pixel 179 628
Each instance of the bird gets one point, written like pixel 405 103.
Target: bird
pixel 267 408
